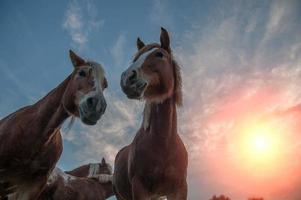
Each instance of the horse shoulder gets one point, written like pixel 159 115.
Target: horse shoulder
pixel 51 151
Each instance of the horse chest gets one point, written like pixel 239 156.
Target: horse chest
pixel 41 160
pixel 161 167
pixel 159 173
pixel 162 181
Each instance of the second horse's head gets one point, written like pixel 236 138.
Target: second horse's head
pixel 84 94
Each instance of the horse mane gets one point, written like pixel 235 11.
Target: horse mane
pixel 177 72
pixel 100 73
pixel 178 83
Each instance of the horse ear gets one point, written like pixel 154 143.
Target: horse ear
pixel 140 44
pixel 103 161
pixel 164 39
pixel 75 59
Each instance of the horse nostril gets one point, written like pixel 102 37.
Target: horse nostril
pixel 133 76
pixel 91 102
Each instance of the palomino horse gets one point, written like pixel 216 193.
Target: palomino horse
pixel 155 163
pixel 30 138
pixel 88 182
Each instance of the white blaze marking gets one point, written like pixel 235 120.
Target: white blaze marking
pixel 139 62
pixel 98 76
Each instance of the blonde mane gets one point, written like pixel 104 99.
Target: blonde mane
pixel 99 71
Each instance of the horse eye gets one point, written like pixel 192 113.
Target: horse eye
pixel 159 54
pixel 82 73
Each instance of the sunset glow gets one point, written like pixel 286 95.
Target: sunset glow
pixel 223 80
pixel 261 144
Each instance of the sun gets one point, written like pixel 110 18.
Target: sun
pixel 260 141
pixel 259 146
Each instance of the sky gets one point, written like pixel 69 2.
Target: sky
pixel 240 60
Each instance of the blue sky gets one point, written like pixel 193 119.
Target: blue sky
pixel 230 52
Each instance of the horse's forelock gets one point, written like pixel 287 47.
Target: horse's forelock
pixel 100 73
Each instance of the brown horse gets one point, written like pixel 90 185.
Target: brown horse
pixel 91 169
pixel 88 182
pixel 155 163
pixel 30 138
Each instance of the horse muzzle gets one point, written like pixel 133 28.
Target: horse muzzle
pixel 91 109
pixel 132 85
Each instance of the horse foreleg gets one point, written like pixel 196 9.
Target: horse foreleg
pixel 138 190
pixel 180 194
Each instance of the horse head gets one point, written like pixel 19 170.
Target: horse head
pixel 153 74
pixel 84 94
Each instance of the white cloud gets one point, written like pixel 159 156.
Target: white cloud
pixel 118 50
pixel 229 75
pixel 80 21
pixel 160 15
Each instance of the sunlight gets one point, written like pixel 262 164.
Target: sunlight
pixel 261 142
pixel 261 145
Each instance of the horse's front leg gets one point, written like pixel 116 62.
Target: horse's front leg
pixel 138 190
pixel 180 194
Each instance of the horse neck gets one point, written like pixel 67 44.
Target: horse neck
pixel 50 113
pixel 160 119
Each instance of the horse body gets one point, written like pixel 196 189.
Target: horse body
pixel 155 163
pixel 91 169
pixel 29 150
pixel 72 185
pixel 30 140
pixel 157 156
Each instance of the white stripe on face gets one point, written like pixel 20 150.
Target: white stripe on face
pixel 96 80
pixel 98 76
pixel 138 63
